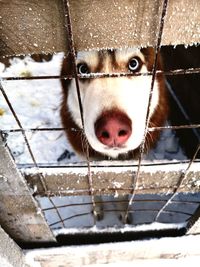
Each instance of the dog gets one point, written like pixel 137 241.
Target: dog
pixel 114 109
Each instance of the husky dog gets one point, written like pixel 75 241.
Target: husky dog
pixel 114 108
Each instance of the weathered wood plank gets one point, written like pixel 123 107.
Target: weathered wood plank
pixel 155 179
pixel 179 250
pixel 10 254
pixel 36 26
pixel 20 215
pixel 31 26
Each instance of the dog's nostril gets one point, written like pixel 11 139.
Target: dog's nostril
pixel 105 134
pixel 122 133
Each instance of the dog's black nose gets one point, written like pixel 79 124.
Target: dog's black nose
pixel 113 128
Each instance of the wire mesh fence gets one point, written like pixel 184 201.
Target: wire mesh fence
pixel 113 202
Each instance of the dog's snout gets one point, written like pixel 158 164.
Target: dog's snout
pixel 113 128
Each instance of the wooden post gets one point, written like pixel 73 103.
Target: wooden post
pixel 10 254
pixel 37 26
pixel 108 180
pixel 20 214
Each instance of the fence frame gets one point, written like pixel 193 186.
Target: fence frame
pixel 20 214
pixel 32 227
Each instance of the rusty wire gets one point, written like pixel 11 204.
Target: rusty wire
pixel 152 210
pixel 184 173
pixel 150 129
pixel 41 177
pixel 175 72
pixel 142 146
pixel 182 177
pixel 68 27
pixel 105 75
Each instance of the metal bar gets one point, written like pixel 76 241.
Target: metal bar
pixel 121 210
pixel 106 75
pixel 57 211
pixel 120 202
pixel 110 202
pixel 118 210
pixel 176 127
pixel 135 181
pixel 99 164
pixel 71 217
pixel 183 176
pixel 25 138
pixel 68 27
pixel 150 129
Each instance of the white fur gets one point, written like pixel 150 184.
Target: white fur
pixel 129 95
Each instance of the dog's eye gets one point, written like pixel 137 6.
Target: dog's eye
pixel 83 68
pixel 134 64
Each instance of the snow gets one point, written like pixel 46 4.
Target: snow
pixel 36 103
pixel 114 167
pixel 127 228
pixel 155 263
pixel 180 251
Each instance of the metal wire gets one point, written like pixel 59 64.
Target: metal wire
pixel 57 211
pixel 183 176
pixel 148 200
pixel 106 75
pixel 68 26
pixel 135 179
pixel 150 129
pixel 71 217
pixel 70 39
pixel 169 212
pixel 40 175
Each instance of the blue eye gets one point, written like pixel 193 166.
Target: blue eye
pixel 83 68
pixel 134 64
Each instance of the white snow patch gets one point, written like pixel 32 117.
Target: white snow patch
pixel 155 226
pixel 184 251
pixel 83 170
pixel 37 104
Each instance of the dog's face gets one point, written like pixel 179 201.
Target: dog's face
pixel 114 108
